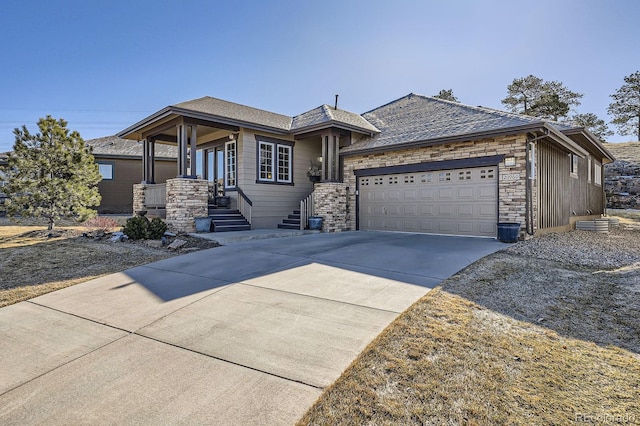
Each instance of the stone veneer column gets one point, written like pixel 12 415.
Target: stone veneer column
pixel 138 197
pixel 330 202
pixel 186 200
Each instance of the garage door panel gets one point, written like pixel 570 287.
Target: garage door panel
pixel 487 191
pixel 461 202
pixel 427 194
pixel 465 210
pixel 445 193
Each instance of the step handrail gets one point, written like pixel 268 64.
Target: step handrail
pixel 306 210
pixel 244 204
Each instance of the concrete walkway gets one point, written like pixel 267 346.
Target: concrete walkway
pixel 249 333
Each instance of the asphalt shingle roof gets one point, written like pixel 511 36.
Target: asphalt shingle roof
pixel 417 118
pixel 237 112
pixel 325 114
pixel 115 146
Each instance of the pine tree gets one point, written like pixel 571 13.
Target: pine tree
pixel 591 122
pixel 626 106
pixel 52 174
pixel 533 96
pixel 446 95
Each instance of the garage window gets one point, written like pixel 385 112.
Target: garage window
pixel 444 177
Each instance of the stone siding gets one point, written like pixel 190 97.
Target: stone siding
pixel 331 202
pixel 138 197
pixel 186 200
pixel 511 193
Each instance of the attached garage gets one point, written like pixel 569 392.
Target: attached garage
pixel 455 201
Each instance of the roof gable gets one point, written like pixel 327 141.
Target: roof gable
pixel 325 116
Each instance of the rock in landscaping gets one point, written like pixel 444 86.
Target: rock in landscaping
pixel 176 244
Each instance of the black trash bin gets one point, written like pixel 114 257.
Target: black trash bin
pixel 508 232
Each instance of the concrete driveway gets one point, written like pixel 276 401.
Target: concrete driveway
pixel 248 333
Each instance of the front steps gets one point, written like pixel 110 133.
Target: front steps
pixel 225 220
pixel 291 222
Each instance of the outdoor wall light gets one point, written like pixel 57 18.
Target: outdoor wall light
pixel 510 161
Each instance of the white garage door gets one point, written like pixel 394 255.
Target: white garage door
pixel 457 202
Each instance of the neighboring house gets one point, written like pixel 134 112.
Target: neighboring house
pixel 417 164
pixel 120 163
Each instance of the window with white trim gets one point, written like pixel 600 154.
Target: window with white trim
pixel 265 161
pixel 597 173
pixel 284 163
pixel 589 168
pixel 275 162
pixel 106 170
pixel 230 164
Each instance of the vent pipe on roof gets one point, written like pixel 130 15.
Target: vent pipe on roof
pixel 336 104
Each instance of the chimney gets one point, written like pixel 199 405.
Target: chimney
pixel 336 105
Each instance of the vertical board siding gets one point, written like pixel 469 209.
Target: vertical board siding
pixel 553 174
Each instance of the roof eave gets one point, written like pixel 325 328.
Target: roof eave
pixel 538 126
pixel 229 121
pixel 137 127
pixel 564 141
pixel 594 140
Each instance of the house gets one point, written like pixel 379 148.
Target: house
pixel 416 164
pixel 120 164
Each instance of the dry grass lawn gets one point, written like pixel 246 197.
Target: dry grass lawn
pixel 34 261
pixel 510 340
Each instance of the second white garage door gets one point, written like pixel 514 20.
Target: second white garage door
pixel 457 202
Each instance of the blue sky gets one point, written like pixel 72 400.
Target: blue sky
pixel 103 65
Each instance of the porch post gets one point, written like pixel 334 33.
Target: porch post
pixel 145 161
pixel 182 150
pixel 330 159
pixel 193 140
pixel 152 162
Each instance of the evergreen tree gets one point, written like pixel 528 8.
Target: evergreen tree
pixel 626 106
pixel 591 122
pixel 52 174
pixel 447 95
pixel 533 96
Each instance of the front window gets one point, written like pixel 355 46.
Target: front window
pixel 230 166
pixel 275 162
pixel 284 163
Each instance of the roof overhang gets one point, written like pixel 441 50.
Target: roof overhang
pixel 564 141
pixel 332 124
pixel 587 138
pixel 148 126
pixel 449 139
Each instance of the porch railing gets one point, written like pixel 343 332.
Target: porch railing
pixel 306 210
pixel 244 205
pixel 155 196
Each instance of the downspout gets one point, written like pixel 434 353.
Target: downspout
pixel 530 162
